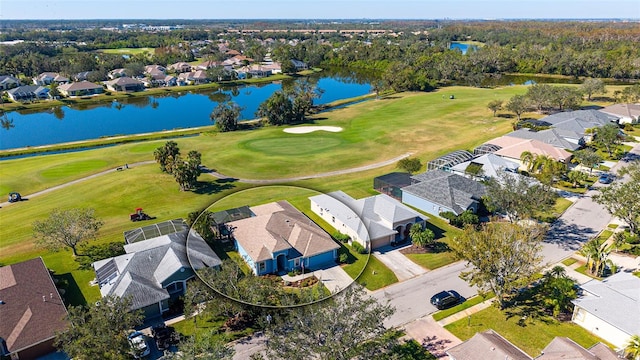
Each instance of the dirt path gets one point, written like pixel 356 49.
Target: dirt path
pixel 221 176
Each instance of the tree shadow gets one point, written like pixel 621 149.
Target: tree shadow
pixel 72 295
pixel 568 236
pixel 526 306
pixel 437 231
pixel 214 187
pixel 505 116
pixel 438 247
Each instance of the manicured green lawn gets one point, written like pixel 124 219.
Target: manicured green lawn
pixel 605 235
pixel 204 324
pixel 569 261
pixel 127 51
pixel 582 269
pixel 560 207
pixel 439 315
pixel 530 335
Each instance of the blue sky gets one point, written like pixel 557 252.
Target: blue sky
pixel 318 9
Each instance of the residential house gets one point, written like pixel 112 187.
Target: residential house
pixel 125 83
pixel 160 79
pixel 82 88
pixel 254 71
pixel 48 78
pixel 192 78
pixel 299 65
pixel 511 148
pixel 437 191
pixel 560 138
pixel 391 184
pixel 610 308
pixel 279 238
pixel 179 67
pixel 154 69
pixel 374 221
pixel 484 167
pixel 208 64
pixel 156 265
pixel 274 67
pixel 81 76
pixel 237 60
pixel 28 93
pixel 8 82
pixel 626 113
pixel 489 345
pixel 564 348
pixel 579 121
pixel 31 310
pixel 117 73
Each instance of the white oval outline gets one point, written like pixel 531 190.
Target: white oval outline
pixel 264 305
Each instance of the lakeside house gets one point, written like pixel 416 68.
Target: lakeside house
pixel 28 93
pixel 511 148
pixel 81 88
pixel 125 84
pixel 8 82
pixel 48 78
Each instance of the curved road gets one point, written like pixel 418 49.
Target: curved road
pixel 222 176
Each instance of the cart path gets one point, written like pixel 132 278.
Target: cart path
pixel 313 176
pixel 221 176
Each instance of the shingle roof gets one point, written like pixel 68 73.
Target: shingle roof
pixel 26 90
pixel 279 226
pixel 81 85
pixel 450 190
pixel 371 217
pixel 615 300
pixel 623 110
pixel 562 348
pixel 603 352
pixel 549 136
pixel 579 120
pixel 31 309
pixel 490 163
pixel 487 345
pixel 149 263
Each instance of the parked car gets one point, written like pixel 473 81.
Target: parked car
pixel 445 299
pixel 138 345
pixel 605 178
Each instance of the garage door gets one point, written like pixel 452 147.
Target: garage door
pixel 376 243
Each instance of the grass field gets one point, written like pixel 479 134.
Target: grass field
pixel 439 315
pixel 532 335
pixel 128 51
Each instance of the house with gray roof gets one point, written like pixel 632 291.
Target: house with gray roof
pixel 579 121
pixel 48 78
pixel 279 238
pixel 80 88
pixel 28 93
pixel 8 82
pixel 560 138
pixel 374 221
pixel 153 272
pixel 487 345
pixel 562 348
pixel 437 191
pixel 125 83
pixel 610 308
pixel 484 167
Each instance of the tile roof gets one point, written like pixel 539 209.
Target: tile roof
pixel 279 226
pixel 450 190
pixel 488 345
pixel 615 300
pixel 147 264
pixel 81 85
pixel 31 309
pixel 124 80
pixel 513 147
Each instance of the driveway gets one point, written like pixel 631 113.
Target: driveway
pixel 334 278
pixel 432 336
pixel 404 268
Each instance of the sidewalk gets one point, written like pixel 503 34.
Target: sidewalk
pixel 466 312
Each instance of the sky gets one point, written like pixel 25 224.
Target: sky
pixel 319 9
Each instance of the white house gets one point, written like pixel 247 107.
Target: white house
pixel 610 308
pixel 628 113
pixel 374 221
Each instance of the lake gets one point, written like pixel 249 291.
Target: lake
pixel 155 113
pixel 461 46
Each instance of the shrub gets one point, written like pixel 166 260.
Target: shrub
pixel 628 127
pixel 359 248
pixel 343 258
pixel 94 253
pixel 343 238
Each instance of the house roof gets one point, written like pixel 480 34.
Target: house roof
pixel 512 147
pixel 26 90
pixel 623 110
pixel 561 348
pixel 8 78
pixel 450 190
pixel 549 136
pixel 55 76
pixel 31 310
pixel 147 264
pixel 81 85
pixel 279 226
pixel 488 345
pixel 124 80
pixel 603 352
pixel 490 163
pixel 579 120
pixel 371 217
pixel 615 300
pixel 398 179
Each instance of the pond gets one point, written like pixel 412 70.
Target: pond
pixel 155 113
pixel 462 47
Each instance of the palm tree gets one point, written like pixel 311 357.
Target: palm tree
pixel 632 349
pixel 527 159
pixel 597 254
pixel 576 176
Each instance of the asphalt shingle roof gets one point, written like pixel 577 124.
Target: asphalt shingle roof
pixel 450 190
pixel 549 136
pixel 487 345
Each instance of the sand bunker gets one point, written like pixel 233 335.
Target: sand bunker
pixel 308 129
